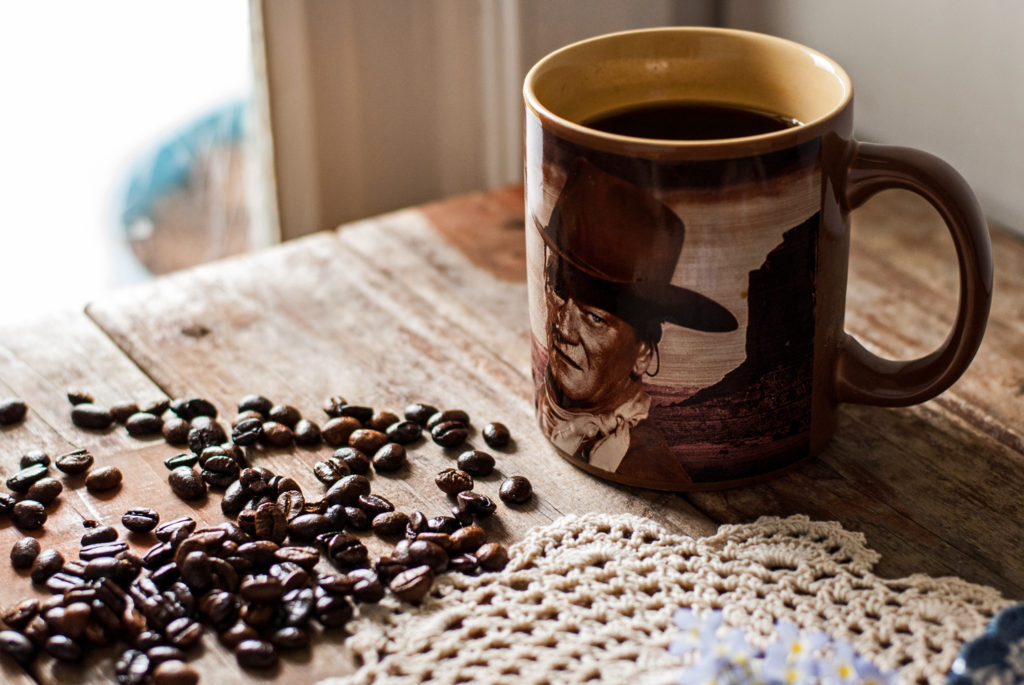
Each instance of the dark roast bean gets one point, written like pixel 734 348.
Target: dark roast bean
pixel 347 550
pixel 330 470
pixel 98 535
pixel 103 479
pixel 468 539
pixel 374 504
pixel 219 607
pixel 305 527
pixel 333 405
pixel 75 619
pixel 420 413
pixel 160 653
pixel 7 503
pixel 234 499
pixel 63 648
pixel 389 523
pixel 515 490
pixel 413 584
pixel 23 479
pixel 492 556
pixel 193 407
pixel 389 458
pixel 205 432
pixel 449 433
pixel 464 563
pixel 292 503
pixel 122 411
pixel 246 415
pixel 357 518
pixel 79 396
pixel 333 611
pixel 366 586
pixel 417 524
pixel 476 463
pixel 47 563
pixel 367 440
pixel 256 481
pixel 290 637
pixel 284 413
pixel 247 431
pixel 183 632
pixel 20 614
pixel 453 481
pixel 140 424
pixel 174 672
pixel 62 582
pixel 101 549
pixel 88 415
pixel 256 403
pixel 17 646
pixel 175 431
pixel 186 483
pixel 307 433
pixel 261 588
pixel 175 530
pixel 442 524
pixel 496 435
pixel 429 553
pixel 196 570
pixel 33 457
pixel 140 519
pixel 28 515
pixel 24 552
pixel 45 490
pixel 279 484
pixel 404 432
pixel 336 514
pixel 186 459
pixel 356 461
pixel 12 411
pixel 338 430
pixel 476 504
pixel 277 434
pixel 270 523
pixel 347 490
pixel 157 406
pixel 255 654
pixel 442 540
pixel 260 553
pixel 463 517
pixel 219 471
pixel 358 412
pixel 238 633
pixel 448 415
pixel 71 463
pixel 381 420
pixel 301 555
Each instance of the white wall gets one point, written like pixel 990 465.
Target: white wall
pixel 946 76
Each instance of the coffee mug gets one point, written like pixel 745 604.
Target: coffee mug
pixel 688 193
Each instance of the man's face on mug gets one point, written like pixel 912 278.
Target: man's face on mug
pixel 594 357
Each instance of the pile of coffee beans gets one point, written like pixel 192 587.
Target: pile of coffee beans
pixel 285 565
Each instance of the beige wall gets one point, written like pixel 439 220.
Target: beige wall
pixel 946 76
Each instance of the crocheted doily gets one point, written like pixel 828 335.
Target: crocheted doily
pixel 591 598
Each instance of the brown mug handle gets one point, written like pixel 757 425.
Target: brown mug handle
pixel 866 378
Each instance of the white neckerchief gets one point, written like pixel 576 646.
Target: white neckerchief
pixel 569 429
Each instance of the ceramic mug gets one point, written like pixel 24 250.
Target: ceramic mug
pixel 687 295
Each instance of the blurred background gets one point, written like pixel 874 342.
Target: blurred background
pixel 137 138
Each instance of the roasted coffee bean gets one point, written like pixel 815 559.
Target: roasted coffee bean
pixel 193 407
pixel 186 483
pixel 413 584
pixel 219 472
pixel 277 434
pixel 158 555
pixel 279 484
pixel 260 553
pixel 196 570
pixel 75 619
pixel 492 556
pixel 122 411
pixel 140 519
pixel 442 524
pixel 367 440
pixel 141 424
pixel 174 672
pixel 336 514
pixel 104 479
pixel 160 653
pixel 463 517
pixel 404 432
pixel 219 607
pixel 366 586
pixel 186 459
pixel 374 504
pixel 234 499
pixel 205 432
pixel 247 431
pixel 33 457
pixel 417 524
pixel 347 490
pixel 79 396
pixel 12 411
pixel 101 549
pixel 476 504
pixel 429 553
pixel 100 567
pixel 284 413
pixel 23 479
pixel 449 433
pixel 442 540
pixel 71 463
pixel 333 611
pixel 183 632
pixel 347 550
pixel 515 490
pixel 307 433
pixel 337 431
pixel 256 403
pixel 468 539
pixel 246 415
pixel 389 458
pixel 305 527
pixel 88 415
pixel 17 646
pixel 331 583
pixel 175 431
pixel 45 490
pixel 20 614
pixel 61 582
pixel 330 470
pixel 290 637
pixel 238 633
pixel 261 588
pixel 259 616
pixel 255 480
pixel 496 435
pixel 255 654
pixel 448 415
pixel 7 503
pixel 291 575
pixel 63 648
pixel 419 413
pixel 156 407
pixel 453 481
pixel 333 405
pixel 389 523
pixel 28 514
pixel 292 503
pixel 464 563
pixel 357 518
pixel 303 556
pixel 381 420
pixel 360 413
pixel 176 530
pixel 24 552
pixel 476 463
pixel 270 523
pixel 356 461
pixel 98 534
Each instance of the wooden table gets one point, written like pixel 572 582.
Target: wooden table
pixel 429 304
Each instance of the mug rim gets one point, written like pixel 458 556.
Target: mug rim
pixel 658 148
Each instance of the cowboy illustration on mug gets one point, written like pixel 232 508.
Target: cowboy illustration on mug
pixel 605 312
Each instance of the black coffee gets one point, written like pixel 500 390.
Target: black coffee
pixel 689 121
